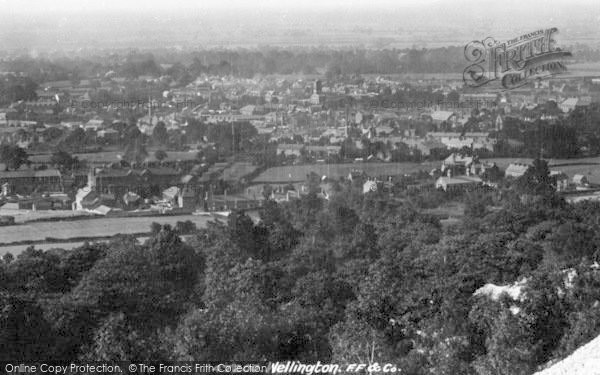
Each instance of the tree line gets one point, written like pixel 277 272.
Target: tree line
pixel 358 276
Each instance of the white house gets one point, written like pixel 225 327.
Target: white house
pixel 516 170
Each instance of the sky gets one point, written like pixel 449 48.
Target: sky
pixel 145 23
pixel 24 6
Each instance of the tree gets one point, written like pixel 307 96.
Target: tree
pixel 25 335
pixel 355 341
pixel 12 156
pixel 35 272
pixel 117 340
pixel 493 174
pixel 510 349
pixel 536 180
pixel 160 155
pixel 150 283
pixel 64 160
pixel 135 152
pixel 74 141
pixel 159 134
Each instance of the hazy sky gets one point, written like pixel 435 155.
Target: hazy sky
pixel 130 23
pixel 91 5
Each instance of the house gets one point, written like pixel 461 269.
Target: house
pixel 171 195
pixel 456 159
pixel 145 182
pixel 180 198
pixel 370 185
pixel 580 180
pixel 110 135
pixel 186 199
pixel 248 110
pixel 93 124
pixel 559 180
pixel 568 104
pixel 131 199
pixel 87 198
pixel 457 183
pixel 296 150
pixel 516 170
pixel 456 164
pixel 443 116
pixel 475 140
pixel 317 99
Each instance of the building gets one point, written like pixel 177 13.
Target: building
pixel 145 182
pixel 568 104
pixel 318 151
pixel 369 186
pixel 439 117
pixel 474 140
pixel 580 180
pixel 28 181
pixel 457 183
pixel 560 180
pixel 516 170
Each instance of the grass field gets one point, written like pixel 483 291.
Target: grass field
pixel 106 157
pixel 22 216
pixel 64 230
pixel 298 173
pixel 589 167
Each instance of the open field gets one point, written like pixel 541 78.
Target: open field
pixel 589 167
pixel 107 157
pixel 64 230
pixel 22 216
pixel 298 173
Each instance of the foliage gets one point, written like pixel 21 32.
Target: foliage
pixel 12 156
pixel 355 278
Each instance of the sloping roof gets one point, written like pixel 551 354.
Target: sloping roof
pixel 458 180
pixel 162 171
pixel 570 102
pixel 30 173
pixel 441 115
pixel 103 210
pixel 109 172
pixel 187 178
pixel 369 186
pixel 171 192
pixel 455 158
pixel 444 134
pixel 516 170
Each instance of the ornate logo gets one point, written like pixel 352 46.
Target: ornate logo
pixel 515 62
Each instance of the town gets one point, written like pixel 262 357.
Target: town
pixel 168 142
pixel 375 187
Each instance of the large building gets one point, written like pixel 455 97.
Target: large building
pixel 29 181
